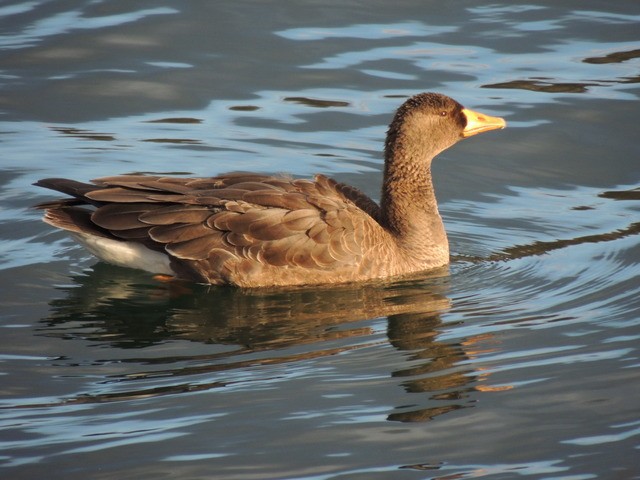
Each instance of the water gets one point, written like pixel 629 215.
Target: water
pixel 520 360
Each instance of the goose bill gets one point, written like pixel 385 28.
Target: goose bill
pixel 479 122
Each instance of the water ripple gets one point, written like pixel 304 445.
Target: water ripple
pixel 520 359
pixel 65 22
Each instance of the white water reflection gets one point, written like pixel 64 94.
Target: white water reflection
pixel 365 31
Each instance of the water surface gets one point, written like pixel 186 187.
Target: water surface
pixel 520 360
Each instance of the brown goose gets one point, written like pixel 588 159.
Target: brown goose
pixel 254 230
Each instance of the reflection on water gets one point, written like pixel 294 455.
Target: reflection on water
pixel 542 86
pixel 615 57
pixel 314 102
pixel 176 120
pixel 540 248
pixel 83 134
pixel 633 194
pixel 113 306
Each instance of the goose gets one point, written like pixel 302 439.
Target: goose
pixel 254 230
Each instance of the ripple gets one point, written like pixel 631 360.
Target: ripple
pixel 83 134
pixel 100 431
pixel 624 432
pixel 541 86
pixel 364 31
pixel 532 329
pixel 64 22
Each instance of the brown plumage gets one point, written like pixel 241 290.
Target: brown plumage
pixel 256 230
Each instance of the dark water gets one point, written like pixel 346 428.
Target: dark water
pixel 521 360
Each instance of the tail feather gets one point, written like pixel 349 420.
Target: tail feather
pixel 74 213
pixel 75 219
pixel 78 190
pixel 59 203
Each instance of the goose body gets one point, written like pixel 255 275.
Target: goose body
pixel 255 230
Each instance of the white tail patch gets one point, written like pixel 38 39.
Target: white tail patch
pixel 125 254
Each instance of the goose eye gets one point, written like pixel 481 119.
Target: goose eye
pixel 443 113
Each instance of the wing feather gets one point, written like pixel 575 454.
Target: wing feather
pixel 178 232
pixel 302 219
pixel 197 248
pixel 223 220
pixel 134 234
pixel 122 216
pixel 321 255
pixel 238 224
pixel 276 198
pixel 318 232
pixel 238 239
pixel 119 195
pixel 175 214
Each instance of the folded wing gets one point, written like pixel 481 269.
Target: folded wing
pixel 218 229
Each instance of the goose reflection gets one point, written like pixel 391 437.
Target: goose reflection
pixel 125 309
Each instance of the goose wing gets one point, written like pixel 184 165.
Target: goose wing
pixel 219 228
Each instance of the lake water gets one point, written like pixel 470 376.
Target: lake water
pixel 519 361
